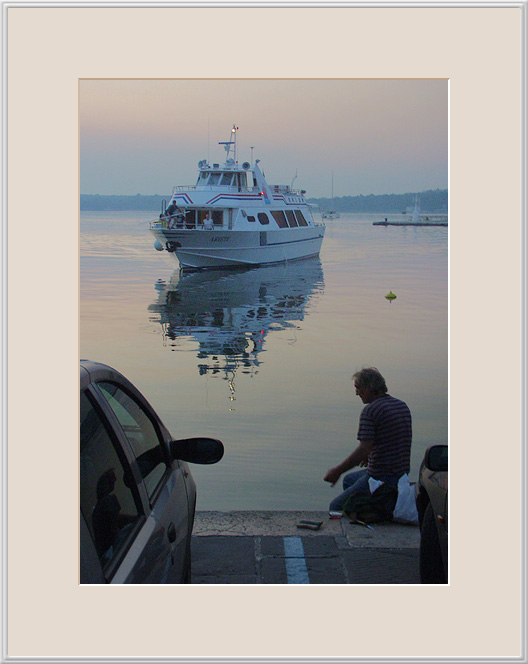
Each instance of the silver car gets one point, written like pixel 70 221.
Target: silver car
pixel 432 504
pixel 137 495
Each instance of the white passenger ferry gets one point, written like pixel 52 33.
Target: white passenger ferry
pixel 232 217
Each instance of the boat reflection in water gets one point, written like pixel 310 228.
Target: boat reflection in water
pixel 230 313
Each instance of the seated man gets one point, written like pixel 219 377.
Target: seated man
pixel 385 434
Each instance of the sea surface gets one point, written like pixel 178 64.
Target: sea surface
pixel 263 359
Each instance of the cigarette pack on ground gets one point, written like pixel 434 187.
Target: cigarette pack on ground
pixel 310 525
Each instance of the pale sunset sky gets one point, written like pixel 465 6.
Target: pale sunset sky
pixel 376 136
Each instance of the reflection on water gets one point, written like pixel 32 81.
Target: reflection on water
pixel 231 313
pixel 283 340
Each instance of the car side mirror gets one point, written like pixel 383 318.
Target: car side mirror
pixel 436 458
pixel 197 450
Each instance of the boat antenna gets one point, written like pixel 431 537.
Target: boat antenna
pixel 291 186
pixel 252 148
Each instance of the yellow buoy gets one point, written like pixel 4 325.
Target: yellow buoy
pixel 390 296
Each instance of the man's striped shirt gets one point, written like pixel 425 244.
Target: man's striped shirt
pixel 387 421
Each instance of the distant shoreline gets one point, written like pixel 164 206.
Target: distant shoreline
pixel 433 201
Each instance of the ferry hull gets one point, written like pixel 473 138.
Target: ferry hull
pixel 217 249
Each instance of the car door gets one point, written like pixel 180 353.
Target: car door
pixel 165 539
pixel 127 518
pixel 112 509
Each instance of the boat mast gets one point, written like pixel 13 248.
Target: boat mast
pixel 416 215
pixel 231 144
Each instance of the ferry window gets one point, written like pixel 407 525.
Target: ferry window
pixel 291 218
pixel 250 218
pixel 201 216
pixel 214 178
pixel 300 218
pixel 226 179
pixel 204 175
pixel 218 217
pixel 190 218
pixel 241 181
pixel 139 430
pixel 263 218
pixel 280 218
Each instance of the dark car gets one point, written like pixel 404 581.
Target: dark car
pixel 137 495
pixel 431 501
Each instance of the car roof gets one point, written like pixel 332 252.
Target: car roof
pixel 96 371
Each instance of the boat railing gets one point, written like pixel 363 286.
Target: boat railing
pixel 212 187
pixel 274 188
pixel 190 187
pixel 177 223
pixel 286 189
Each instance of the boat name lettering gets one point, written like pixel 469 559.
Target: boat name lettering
pixel 220 239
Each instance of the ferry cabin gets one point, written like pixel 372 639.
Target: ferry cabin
pixel 229 199
pixel 214 218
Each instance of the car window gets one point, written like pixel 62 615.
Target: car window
pixel 107 503
pixel 140 432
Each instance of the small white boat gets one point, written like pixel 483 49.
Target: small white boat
pixel 232 217
pixel 331 213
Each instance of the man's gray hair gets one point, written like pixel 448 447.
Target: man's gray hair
pixel 371 379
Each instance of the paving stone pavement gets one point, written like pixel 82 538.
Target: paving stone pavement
pixel 268 548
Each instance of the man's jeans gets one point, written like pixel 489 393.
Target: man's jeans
pixel 358 483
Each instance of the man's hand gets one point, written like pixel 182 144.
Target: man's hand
pixel 359 457
pixel 332 476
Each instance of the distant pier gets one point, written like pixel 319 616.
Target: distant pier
pixel 416 220
pixel 409 223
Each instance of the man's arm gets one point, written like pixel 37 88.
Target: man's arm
pixel 358 457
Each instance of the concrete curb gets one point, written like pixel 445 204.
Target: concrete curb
pixel 284 524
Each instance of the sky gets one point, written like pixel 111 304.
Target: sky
pixel 371 136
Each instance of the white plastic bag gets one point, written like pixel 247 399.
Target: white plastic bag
pixel 374 484
pixel 405 510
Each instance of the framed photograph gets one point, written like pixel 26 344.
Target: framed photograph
pixel 55 56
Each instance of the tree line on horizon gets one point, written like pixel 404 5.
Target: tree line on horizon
pixel 432 201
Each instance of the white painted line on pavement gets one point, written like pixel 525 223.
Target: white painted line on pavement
pixel 296 569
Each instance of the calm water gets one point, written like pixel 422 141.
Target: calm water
pixel 263 359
